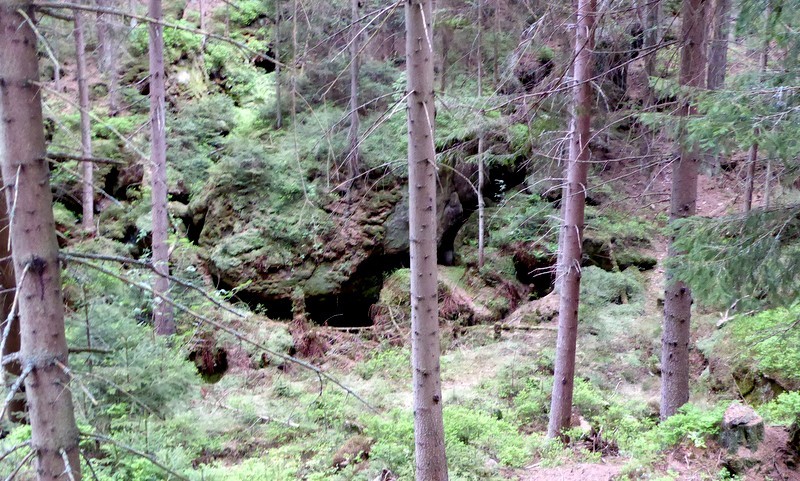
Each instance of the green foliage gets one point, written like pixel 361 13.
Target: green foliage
pixel 753 259
pixel 783 410
pixel 600 288
pixel 393 362
pixel 523 218
pixel 177 43
pixel 691 423
pixel 623 228
pixel 771 339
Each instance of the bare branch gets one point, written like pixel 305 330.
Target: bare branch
pixel 63 157
pixel 67 465
pixel 8 452
pixel 72 377
pixel 19 466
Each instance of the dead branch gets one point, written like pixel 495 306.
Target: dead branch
pixel 19 466
pixel 14 388
pixel 8 452
pixel 64 157
pixel 72 377
pixel 67 465
pixel 90 350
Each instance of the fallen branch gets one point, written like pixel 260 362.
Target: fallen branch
pixel 90 350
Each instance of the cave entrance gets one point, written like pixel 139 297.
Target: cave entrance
pixel 350 307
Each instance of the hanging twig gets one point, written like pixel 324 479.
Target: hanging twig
pixel 10 318
pixel 205 320
pixel 151 458
pixel 91 468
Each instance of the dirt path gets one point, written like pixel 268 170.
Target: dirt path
pixel 604 471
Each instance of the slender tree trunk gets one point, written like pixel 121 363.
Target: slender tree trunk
pixel 107 27
pixel 683 203
pixel 752 159
pixel 54 435
pixel 353 156
pixel 277 41
pixel 162 311
pixel 87 197
pixel 751 173
pixel 572 227
pixel 16 408
pixel 718 48
pixel 763 61
pixel 481 174
pixel 447 34
pixel 651 39
pixel 201 6
pixel 431 463
pixel 768 184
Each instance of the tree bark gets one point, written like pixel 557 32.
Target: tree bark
pixel 650 41
pixel 572 227
pixel 353 155
pixel 54 435
pixel 683 203
pixel 87 188
pixel 431 464
pixel 162 311
pixel 718 48
pixel 481 175
pixel 277 42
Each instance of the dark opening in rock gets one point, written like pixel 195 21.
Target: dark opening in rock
pixel 351 305
pixel 535 268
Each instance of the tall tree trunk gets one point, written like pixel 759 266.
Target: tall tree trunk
pixel 683 203
pixel 54 435
pixel 16 408
pixel 572 227
pixel 353 156
pixel 431 463
pixel 162 311
pixel 650 41
pixel 752 159
pixel 447 36
pixel 481 175
pixel 277 42
pixel 718 44
pixel 87 188
pixel 107 36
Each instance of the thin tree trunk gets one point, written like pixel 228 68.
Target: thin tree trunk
pixel 277 41
pixel 54 435
pixel 16 408
pixel 107 27
pixel 651 38
pixel 353 156
pixel 162 311
pixel 481 175
pixel 201 6
pixel 683 203
pixel 752 159
pixel 751 173
pixel 763 61
pixel 572 227
pixel 447 33
pixel 768 184
pixel 431 463
pixel 87 188
pixel 718 48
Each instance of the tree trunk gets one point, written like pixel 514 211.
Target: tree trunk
pixel 572 227
pixel 431 464
pixel 277 43
pixel 752 158
pixel 162 311
pixel 650 41
pixel 447 34
pixel 107 28
pixel 683 203
pixel 718 48
pixel 16 408
pixel 481 175
pixel 54 435
pixel 353 156
pixel 87 197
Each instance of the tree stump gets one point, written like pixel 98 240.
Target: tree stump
pixel 741 426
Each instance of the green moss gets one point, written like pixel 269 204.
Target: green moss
pixel 771 341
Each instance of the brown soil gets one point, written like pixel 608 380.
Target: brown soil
pixel 603 471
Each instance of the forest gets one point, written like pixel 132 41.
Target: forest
pixel 406 240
